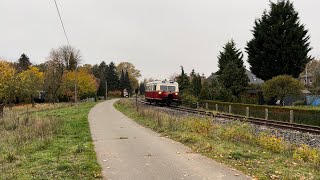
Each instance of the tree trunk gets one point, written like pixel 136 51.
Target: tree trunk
pixel 32 101
pixel 1 110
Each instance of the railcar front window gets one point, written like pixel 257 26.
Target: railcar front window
pixel 163 88
pixel 171 88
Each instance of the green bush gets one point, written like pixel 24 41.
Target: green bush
pixel 272 143
pixel 189 100
pixel 299 103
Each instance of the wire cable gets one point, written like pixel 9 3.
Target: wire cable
pixel 64 29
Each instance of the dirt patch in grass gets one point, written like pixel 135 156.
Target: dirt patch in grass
pixel 53 143
pixel 263 156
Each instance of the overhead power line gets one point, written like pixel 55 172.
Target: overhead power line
pixel 65 33
pixel 64 29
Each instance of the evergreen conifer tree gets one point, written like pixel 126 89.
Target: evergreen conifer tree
pixel 183 81
pixel 142 88
pixel 23 63
pixel 102 76
pixel 196 84
pixel 127 82
pixel 280 43
pixel 230 54
pixel 232 75
pixel 112 77
pixel 122 84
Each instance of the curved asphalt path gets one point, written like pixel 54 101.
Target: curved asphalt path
pixel 127 150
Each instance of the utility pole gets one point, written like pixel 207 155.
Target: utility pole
pixel 75 85
pixel 307 75
pixel 106 89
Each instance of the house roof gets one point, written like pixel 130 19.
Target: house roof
pixel 253 78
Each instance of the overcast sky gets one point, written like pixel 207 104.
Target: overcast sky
pixel 156 36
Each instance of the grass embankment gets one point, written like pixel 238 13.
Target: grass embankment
pixel 48 144
pixel 262 156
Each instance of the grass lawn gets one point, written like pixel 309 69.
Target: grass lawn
pixel 261 156
pixel 50 144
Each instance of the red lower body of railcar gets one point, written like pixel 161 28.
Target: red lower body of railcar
pixel 162 97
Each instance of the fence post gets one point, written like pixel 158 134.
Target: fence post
pixel 197 105
pixel 137 103
pixel 247 112
pixel 291 116
pixel 230 110
pixel 217 109
pixel 266 113
pixel 207 106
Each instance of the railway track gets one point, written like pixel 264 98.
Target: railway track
pixel 258 121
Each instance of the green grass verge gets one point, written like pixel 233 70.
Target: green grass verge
pixel 262 157
pixel 53 144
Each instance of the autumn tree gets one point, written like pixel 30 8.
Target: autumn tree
pixel 313 70
pixel 23 63
pixel 86 84
pixel 70 56
pixel 280 43
pixel 281 86
pixel 31 82
pixel 133 73
pixel 53 75
pixel 8 82
pixel 86 67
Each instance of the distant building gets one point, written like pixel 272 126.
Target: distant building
pixel 307 80
pixel 253 78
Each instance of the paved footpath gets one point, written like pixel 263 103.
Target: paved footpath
pixel 128 151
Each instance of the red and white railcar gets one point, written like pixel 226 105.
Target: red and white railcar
pixel 162 92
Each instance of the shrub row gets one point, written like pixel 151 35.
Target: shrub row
pixel 302 116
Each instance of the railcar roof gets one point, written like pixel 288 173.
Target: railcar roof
pixel 163 82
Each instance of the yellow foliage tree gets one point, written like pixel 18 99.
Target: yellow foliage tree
pixel 8 82
pixel 86 83
pixel 31 82
pixel 133 73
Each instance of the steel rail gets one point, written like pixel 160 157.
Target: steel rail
pixel 258 121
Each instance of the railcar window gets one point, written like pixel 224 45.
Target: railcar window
pixel 171 88
pixel 163 88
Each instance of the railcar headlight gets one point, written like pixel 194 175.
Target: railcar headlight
pixel 160 92
pixel 176 94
